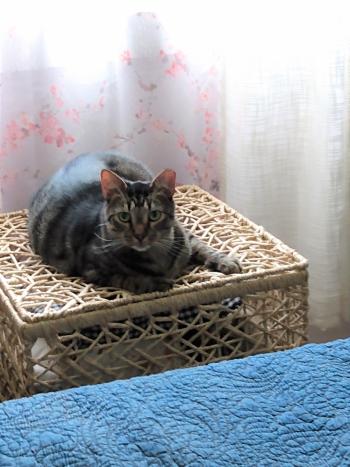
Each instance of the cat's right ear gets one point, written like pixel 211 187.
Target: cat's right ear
pixel 110 183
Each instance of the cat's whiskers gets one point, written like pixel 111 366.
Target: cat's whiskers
pixel 104 239
pixel 169 247
pixel 109 247
pixel 171 242
pixel 108 243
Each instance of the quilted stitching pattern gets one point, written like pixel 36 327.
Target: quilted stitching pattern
pixel 285 409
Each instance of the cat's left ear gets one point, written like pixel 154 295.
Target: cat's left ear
pixel 166 179
pixel 110 183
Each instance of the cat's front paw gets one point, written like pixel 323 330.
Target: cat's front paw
pixel 153 285
pixel 164 285
pixel 147 284
pixel 224 263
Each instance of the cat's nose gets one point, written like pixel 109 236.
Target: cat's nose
pixel 140 236
pixel 139 232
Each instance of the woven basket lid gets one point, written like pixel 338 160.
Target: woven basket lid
pixel 36 295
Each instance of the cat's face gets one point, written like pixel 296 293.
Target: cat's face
pixel 139 214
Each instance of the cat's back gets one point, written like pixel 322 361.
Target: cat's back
pixel 74 192
pixel 85 170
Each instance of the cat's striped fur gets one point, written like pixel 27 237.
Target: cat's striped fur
pixel 117 230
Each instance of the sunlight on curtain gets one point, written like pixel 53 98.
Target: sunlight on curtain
pixel 287 138
pixel 249 99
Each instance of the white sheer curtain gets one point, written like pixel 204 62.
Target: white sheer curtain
pixel 249 99
pixel 287 99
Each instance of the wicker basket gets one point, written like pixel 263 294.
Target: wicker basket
pixel 58 332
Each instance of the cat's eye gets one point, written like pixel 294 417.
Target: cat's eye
pixel 124 216
pixel 154 215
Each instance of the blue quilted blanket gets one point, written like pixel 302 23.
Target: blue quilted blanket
pixel 283 409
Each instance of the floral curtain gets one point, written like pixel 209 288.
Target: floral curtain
pixel 130 87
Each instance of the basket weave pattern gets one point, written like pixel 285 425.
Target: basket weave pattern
pixel 60 332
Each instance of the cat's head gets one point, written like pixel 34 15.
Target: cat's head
pixel 139 214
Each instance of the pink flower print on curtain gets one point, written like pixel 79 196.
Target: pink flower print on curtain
pixel 176 105
pixel 51 132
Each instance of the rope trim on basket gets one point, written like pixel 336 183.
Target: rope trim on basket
pixel 48 326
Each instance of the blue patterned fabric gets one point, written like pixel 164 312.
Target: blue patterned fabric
pixel 283 409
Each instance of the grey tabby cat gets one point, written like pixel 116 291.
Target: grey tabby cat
pixel 106 218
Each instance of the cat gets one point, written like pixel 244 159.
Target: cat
pixel 106 218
